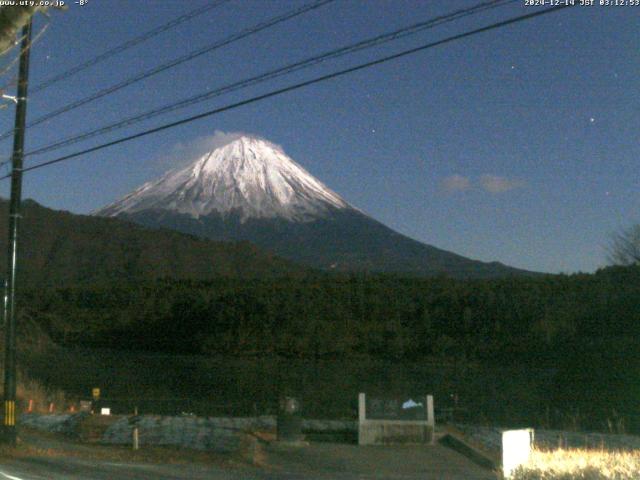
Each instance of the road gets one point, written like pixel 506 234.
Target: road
pixel 48 458
pixel 75 469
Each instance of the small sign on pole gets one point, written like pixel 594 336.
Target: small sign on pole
pixel 95 393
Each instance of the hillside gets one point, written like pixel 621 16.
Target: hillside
pixel 58 247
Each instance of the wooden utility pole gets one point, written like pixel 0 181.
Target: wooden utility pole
pixel 9 424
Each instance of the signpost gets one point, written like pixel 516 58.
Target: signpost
pixel 395 409
pixel 395 420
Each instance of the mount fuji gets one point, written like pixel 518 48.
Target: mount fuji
pixel 249 189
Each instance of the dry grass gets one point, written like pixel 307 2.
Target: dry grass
pixel 581 464
pixel 32 339
pixel 42 397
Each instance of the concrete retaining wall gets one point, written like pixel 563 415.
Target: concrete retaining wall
pixel 220 434
pixel 381 432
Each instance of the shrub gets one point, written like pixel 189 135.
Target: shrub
pixel 577 464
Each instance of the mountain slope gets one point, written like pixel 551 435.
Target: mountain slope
pixel 344 241
pixel 60 248
pixel 251 190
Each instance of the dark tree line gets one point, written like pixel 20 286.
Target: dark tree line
pixel 381 316
pixel 580 331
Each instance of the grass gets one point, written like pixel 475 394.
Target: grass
pixel 580 464
pixel 30 389
pixel 31 340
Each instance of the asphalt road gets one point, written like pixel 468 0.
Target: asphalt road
pixel 351 462
pixel 72 469
pixel 48 458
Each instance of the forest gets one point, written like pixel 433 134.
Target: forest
pixel 581 329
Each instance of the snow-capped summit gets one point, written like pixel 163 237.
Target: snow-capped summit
pixel 250 190
pixel 249 177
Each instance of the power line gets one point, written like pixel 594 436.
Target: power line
pixel 127 45
pixel 332 54
pixel 178 61
pixel 11 46
pixel 297 86
pixel 14 62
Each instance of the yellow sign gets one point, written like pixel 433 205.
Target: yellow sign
pixel 95 393
pixel 9 413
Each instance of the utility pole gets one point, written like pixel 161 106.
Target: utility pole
pixel 9 430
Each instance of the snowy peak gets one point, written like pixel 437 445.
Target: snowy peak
pixel 222 193
pixel 250 177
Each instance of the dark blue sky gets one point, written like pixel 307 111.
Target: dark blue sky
pixel 519 145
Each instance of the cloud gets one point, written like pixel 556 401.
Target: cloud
pixel 185 153
pixel 493 184
pixel 496 184
pixel 456 183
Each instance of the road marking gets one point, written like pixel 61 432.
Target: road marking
pixel 10 477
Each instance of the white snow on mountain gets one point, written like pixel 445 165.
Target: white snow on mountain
pixel 250 177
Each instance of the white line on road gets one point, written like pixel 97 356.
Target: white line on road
pixel 10 477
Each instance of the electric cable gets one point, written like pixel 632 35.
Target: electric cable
pixel 127 45
pixel 297 86
pixel 332 54
pixel 175 62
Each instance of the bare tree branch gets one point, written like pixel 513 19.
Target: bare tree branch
pixel 624 248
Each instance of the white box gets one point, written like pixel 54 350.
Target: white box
pixel 516 449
